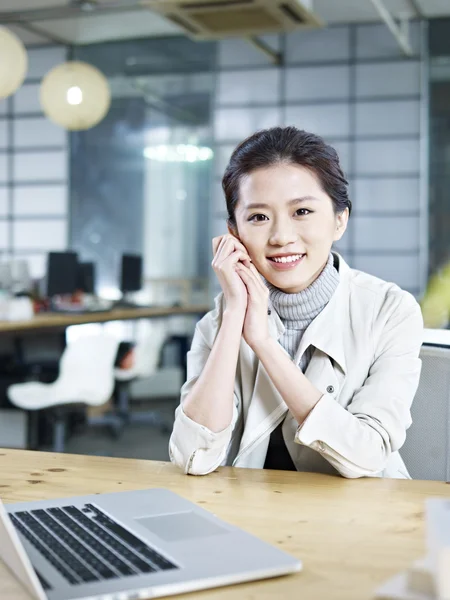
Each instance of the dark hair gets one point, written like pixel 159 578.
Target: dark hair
pixel 286 145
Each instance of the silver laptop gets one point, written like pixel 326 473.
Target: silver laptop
pixel 129 545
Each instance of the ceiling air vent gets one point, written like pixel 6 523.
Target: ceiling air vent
pixel 215 19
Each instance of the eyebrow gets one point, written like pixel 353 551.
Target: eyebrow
pixel 290 203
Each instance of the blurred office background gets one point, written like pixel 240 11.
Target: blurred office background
pixel 373 80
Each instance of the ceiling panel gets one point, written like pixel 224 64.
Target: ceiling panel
pixel 28 37
pixel 93 26
pixel 358 11
pixel 19 5
pixel 99 28
pixel 435 8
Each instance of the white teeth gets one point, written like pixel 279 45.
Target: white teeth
pixel 287 259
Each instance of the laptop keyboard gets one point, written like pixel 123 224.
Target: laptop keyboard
pixel 86 545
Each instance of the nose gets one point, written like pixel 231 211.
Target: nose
pixel 282 234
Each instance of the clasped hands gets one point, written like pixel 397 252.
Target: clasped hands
pixel 246 295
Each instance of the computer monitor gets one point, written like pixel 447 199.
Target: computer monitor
pixel 86 277
pixel 131 273
pixel 61 273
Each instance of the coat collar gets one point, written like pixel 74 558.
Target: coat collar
pixel 326 331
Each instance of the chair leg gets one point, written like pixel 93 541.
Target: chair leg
pixel 59 433
pixel 123 399
pixel 33 430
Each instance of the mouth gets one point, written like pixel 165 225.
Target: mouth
pixel 285 262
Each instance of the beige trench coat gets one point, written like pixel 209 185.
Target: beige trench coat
pixel 366 364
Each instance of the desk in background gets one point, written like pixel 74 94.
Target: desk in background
pixel 14 427
pixel 352 534
pixel 52 321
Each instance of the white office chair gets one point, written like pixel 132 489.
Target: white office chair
pixel 146 357
pixel 426 451
pixel 86 376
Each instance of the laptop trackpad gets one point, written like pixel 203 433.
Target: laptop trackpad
pixel 180 526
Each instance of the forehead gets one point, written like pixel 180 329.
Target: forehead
pixel 280 182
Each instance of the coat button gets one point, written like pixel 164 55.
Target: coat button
pixel 330 389
pixel 269 312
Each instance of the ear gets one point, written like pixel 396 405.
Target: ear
pixel 232 230
pixel 341 224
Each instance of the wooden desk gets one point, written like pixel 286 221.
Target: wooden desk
pixel 350 534
pixel 46 321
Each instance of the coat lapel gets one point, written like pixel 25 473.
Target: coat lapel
pixel 266 407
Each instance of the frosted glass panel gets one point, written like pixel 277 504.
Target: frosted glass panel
pixel 402 270
pixel 4 201
pixel 40 166
pixel 3 168
pixel 386 195
pixel 26 99
pixel 222 156
pixel 41 200
pixel 388 118
pixel 317 83
pixel 238 123
pixel 343 150
pixel 29 133
pixel 3 133
pixel 394 157
pixel 219 204
pixel 388 79
pixel 40 235
pixel 37 263
pixel 249 87
pixel 376 41
pixel 219 227
pixel 318 45
pixel 4 234
pixel 235 52
pixel 41 60
pixel 386 233
pixel 329 120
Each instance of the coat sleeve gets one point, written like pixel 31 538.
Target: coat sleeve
pixel 358 440
pixel 194 448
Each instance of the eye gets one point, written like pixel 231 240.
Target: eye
pixel 258 218
pixel 302 212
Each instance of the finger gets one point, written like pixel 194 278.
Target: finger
pixel 258 276
pixel 236 242
pixel 238 257
pixel 223 251
pixel 259 290
pixel 249 279
pixel 229 247
pixel 217 243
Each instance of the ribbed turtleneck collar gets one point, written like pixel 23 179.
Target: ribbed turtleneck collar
pixel 298 310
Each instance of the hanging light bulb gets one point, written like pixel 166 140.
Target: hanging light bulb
pixel 13 62
pixel 75 95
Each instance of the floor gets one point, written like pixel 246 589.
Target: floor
pixel 136 441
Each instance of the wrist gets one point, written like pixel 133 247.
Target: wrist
pixel 262 346
pixel 232 315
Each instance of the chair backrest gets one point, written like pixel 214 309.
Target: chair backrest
pixel 147 351
pixel 87 368
pixel 426 451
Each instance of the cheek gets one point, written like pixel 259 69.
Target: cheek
pixel 251 240
pixel 318 233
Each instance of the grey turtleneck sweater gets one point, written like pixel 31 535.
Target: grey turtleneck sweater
pixel 296 312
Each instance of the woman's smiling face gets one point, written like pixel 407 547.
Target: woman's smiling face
pixel 288 224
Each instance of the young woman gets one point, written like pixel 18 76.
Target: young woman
pixel 304 364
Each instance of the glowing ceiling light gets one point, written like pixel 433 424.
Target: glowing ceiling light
pixel 178 153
